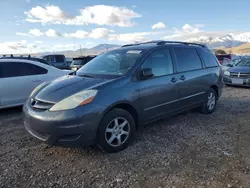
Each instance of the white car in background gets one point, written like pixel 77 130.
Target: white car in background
pixel 19 77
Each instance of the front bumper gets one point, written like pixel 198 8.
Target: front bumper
pixel 71 128
pixel 229 81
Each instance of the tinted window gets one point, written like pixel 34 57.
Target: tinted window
pixel 160 62
pixel 78 62
pixel 59 58
pixel 208 58
pixel 41 61
pixel 15 69
pixel 49 59
pixel 187 59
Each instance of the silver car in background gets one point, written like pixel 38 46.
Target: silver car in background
pixel 19 77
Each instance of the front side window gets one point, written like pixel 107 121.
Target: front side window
pixel 116 62
pixel 16 69
pixel 160 62
pixel 187 59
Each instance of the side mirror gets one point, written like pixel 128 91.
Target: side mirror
pixel 146 73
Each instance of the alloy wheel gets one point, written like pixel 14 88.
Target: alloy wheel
pixel 117 132
pixel 211 101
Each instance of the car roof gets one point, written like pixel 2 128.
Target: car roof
pixel 19 60
pixel 155 44
pixel 24 57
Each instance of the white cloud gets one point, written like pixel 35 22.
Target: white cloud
pixel 35 32
pixel 159 25
pixel 15 47
pixel 25 47
pixel 22 34
pixel 49 14
pixel 52 33
pixel 130 37
pixel 63 47
pixel 38 33
pixel 78 34
pixel 97 33
pixel 97 14
pixel 185 32
pixel 100 33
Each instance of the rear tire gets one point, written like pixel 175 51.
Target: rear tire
pixel 115 131
pixel 210 103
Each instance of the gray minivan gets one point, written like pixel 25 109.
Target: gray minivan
pixel 118 92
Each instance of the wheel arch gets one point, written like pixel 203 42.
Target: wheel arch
pixel 125 105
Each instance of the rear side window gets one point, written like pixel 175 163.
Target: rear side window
pixel 59 58
pixel 160 62
pixel 208 58
pixel 187 59
pixel 16 69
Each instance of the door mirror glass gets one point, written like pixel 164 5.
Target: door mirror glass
pixel 146 73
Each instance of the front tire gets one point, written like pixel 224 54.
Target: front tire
pixel 115 131
pixel 210 103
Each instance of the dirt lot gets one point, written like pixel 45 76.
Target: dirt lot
pixel 189 150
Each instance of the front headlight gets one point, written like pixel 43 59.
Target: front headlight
pixel 78 99
pixel 226 73
pixel 38 88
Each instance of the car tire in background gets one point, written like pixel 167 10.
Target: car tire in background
pixel 115 131
pixel 210 103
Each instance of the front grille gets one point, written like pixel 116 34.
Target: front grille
pixel 40 105
pixel 240 75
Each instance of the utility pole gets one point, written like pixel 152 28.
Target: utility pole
pixel 81 49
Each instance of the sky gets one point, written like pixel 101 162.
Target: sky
pixel 30 26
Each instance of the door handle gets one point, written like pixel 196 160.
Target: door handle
pixel 173 80
pixel 182 78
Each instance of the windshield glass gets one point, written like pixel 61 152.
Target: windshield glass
pixel 244 63
pixel 77 62
pixel 116 62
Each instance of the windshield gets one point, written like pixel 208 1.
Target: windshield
pixel 77 62
pixel 116 62
pixel 244 63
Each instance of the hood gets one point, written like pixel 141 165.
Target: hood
pixel 68 85
pixel 240 69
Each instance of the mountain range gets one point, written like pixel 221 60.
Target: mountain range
pixel 86 51
pixel 230 41
pixel 226 41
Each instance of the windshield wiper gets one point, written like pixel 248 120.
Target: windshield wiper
pixel 86 75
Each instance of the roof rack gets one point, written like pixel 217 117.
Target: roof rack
pixel 126 45
pixel 12 56
pixel 178 42
pixel 162 42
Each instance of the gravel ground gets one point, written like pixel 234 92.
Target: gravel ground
pixel 188 150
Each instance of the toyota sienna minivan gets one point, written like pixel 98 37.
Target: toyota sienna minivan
pixel 118 92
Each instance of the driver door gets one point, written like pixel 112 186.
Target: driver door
pixel 159 94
